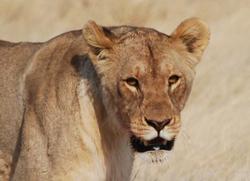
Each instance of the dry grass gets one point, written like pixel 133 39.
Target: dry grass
pixel 215 140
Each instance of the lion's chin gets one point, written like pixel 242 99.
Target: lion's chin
pixel 155 157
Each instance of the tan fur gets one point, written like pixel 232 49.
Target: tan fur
pixel 5 162
pixel 67 112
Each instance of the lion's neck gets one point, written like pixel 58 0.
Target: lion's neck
pixel 109 148
pixel 118 157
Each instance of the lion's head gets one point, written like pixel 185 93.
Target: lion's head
pixel 146 78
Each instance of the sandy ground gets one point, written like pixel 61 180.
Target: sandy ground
pixel 214 143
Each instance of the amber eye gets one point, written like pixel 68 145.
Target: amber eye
pixel 132 82
pixel 173 79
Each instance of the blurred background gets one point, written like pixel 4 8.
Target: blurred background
pixel 214 143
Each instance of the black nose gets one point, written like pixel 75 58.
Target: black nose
pixel 158 125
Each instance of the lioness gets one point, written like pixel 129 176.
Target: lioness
pixel 80 106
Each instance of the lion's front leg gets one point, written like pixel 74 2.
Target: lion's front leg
pixel 45 156
pixel 33 161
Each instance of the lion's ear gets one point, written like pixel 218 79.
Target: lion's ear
pixel 192 35
pixel 95 36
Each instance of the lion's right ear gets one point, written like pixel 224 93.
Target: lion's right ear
pixel 95 36
pixel 192 35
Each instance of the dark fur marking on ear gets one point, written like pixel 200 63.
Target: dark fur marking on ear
pixel 108 32
pixel 189 41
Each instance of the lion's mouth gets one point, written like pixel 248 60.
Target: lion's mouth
pixel 153 145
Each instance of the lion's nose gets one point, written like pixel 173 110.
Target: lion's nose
pixel 158 125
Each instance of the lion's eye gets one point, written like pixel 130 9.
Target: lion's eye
pixel 173 79
pixel 132 82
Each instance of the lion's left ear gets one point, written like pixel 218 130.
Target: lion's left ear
pixel 95 36
pixel 192 35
